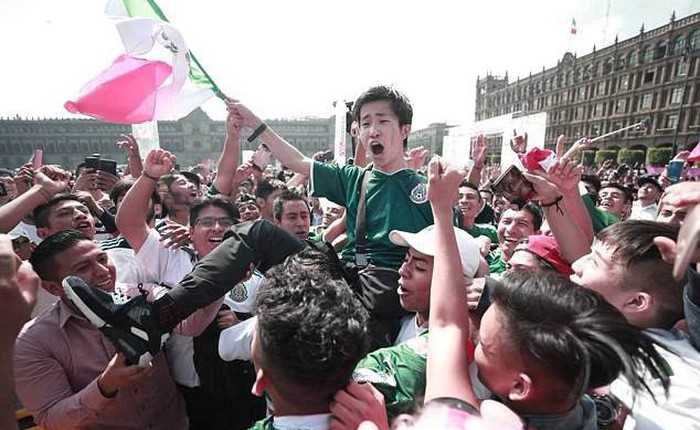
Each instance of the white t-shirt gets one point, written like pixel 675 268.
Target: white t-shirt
pixel 166 266
pixel 409 329
pixel 681 410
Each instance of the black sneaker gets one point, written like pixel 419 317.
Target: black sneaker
pixel 128 322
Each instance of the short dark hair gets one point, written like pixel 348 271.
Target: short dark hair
pixel 288 195
pixel 267 187
pixel 574 334
pixel 466 183
pixel 120 188
pixel 42 258
pixel 625 190
pixel 312 328
pixel 213 201
pixel 593 180
pixel 41 213
pixel 632 246
pixel 536 213
pixel 400 104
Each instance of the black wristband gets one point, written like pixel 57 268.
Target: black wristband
pixel 555 202
pixel 258 131
pixel 153 178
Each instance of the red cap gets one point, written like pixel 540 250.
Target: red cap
pixel 546 247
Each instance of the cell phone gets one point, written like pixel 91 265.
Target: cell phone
pixel 674 170
pixel 92 162
pixel 38 158
pixel 261 157
pixel 514 186
pixel 107 166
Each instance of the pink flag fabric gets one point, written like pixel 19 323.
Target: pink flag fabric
pixel 124 93
pixel 695 153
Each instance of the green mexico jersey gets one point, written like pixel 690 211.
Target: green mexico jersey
pixel 396 201
pixel 398 372
pixel 496 262
pixel 483 230
pixel 599 218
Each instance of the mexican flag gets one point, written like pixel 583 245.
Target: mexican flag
pixel 157 78
pixel 573 26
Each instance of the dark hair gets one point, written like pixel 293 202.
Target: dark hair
pixel 466 183
pixel 267 187
pixel 312 328
pixel 288 195
pixel 593 179
pixel 41 213
pixel 536 213
pixel 192 177
pixel 213 201
pixel 632 246
pixel 400 104
pixel 42 258
pixel 120 188
pixel 625 190
pixel 6 173
pixel 574 334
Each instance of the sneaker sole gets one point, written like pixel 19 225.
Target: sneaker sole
pixel 144 359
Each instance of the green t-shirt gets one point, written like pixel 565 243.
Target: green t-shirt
pixel 394 202
pixel 496 262
pixel 398 372
pixel 599 218
pixel 483 230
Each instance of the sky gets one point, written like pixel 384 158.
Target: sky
pixel 294 58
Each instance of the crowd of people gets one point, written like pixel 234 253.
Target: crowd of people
pixel 386 293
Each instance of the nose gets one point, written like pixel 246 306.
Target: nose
pixel 403 270
pixel 374 130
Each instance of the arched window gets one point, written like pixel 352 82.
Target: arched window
pixel 632 58
pixel 678 45
pixel 647 54
pixel 694 40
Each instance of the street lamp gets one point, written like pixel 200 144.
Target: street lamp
pixel 686 60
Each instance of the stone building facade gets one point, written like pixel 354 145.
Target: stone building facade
pixel 653 75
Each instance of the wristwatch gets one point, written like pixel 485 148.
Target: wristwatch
pixel 608 408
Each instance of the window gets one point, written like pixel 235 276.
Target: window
pixel 620 105
pixel 646 101
pixel 632 58
pixel 671 121
pixel 660 51
pixel 678 45
pixel 598 110
pixel 676 96
pixel 624 82
pixel 694 40
pixel 647 54
pixel 681 68
pixel 648 77
pixel 600 88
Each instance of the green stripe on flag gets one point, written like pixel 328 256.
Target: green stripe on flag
pixel 150 9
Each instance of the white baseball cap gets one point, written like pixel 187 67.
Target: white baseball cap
pixel 424 242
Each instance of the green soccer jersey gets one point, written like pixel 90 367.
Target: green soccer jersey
pixel 395 201
pixel 599 218
pixel 398 372
pixel 483 230
pixel 496 262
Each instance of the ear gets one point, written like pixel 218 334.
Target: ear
pixel 42 232
pixel 261 383
pixel 521 388
pixel 53 287
pixel 260 203
pixel 405 130
pixel 639 302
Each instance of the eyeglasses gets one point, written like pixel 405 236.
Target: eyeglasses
pixel 209 222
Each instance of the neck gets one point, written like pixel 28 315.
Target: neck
pixel 179 214
pixel 301 406
pixel 647 202
pixel 422 319
pixel 467 223
pixel 391 166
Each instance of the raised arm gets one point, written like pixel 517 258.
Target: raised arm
pixel 133 212
pixel 447 367
pixel 130 146
pixel 12 212
pixel 229 158
pixel 287 154
pixel 479 157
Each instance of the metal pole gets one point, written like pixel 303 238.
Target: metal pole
pixel 686 60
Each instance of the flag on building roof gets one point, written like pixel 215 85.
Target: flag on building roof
pixel 157 78
pixel 573 26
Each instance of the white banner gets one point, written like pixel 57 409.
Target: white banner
pixel 146 134
pixel 340 134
